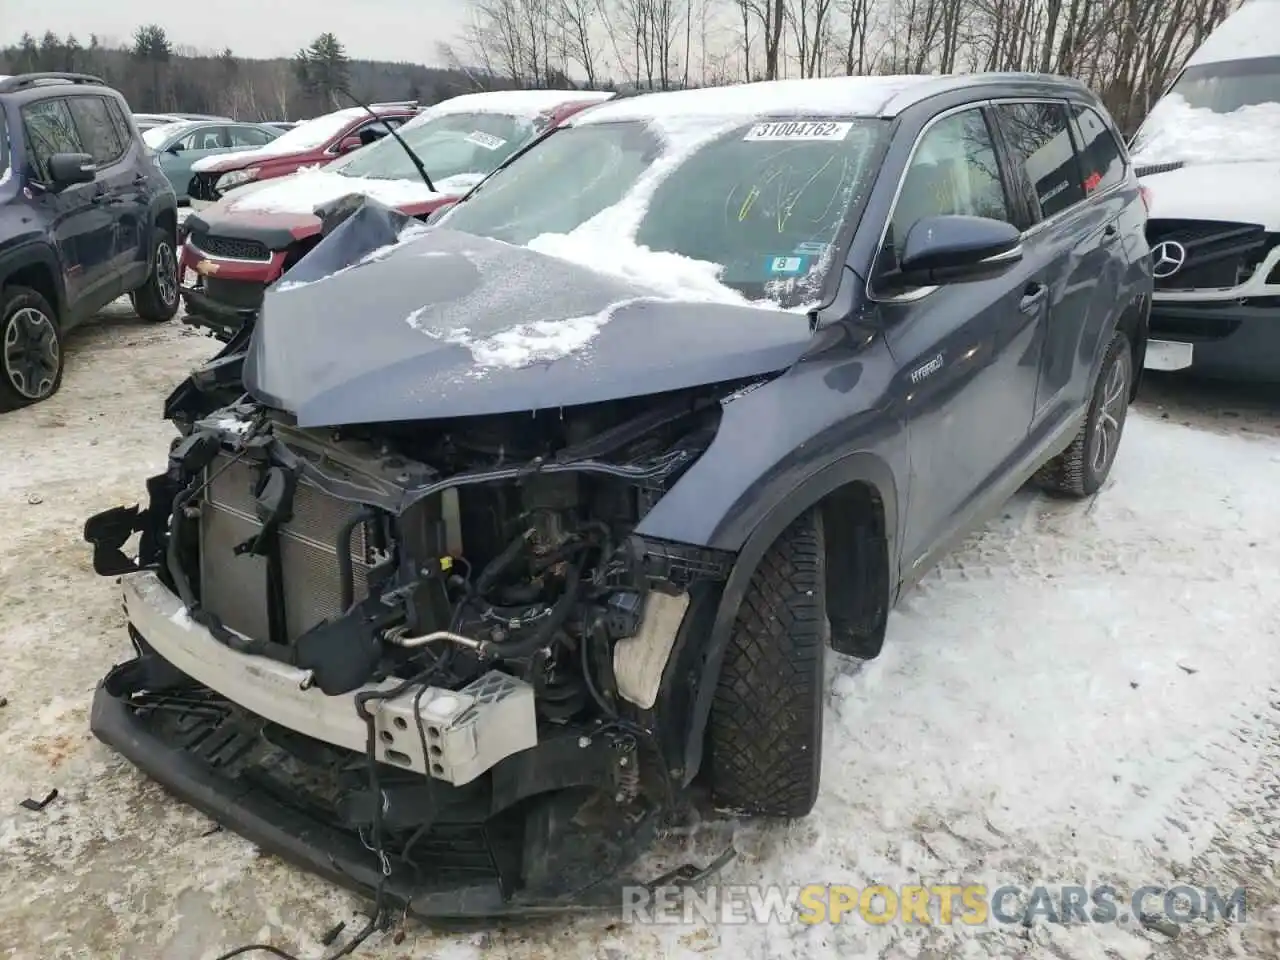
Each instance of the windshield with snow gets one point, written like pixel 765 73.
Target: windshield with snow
pixel 1215 112
pixel 759 207
pixel 449 146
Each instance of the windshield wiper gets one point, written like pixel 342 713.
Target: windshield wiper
pixel 413 157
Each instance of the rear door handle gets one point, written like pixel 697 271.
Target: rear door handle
pixel 100 198
pixel 1032 297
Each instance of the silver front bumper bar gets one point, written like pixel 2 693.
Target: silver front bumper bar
pixel 466 731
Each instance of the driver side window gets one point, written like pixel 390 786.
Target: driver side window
pixel 954 171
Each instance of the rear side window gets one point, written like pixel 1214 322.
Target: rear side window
pixel 249 137
pixel 123 130
pixel 50 130
pixel 1039 140
pixel 1101 160
pixel 4 149
pixel 98 131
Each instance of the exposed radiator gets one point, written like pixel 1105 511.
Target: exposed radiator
pixel 235 587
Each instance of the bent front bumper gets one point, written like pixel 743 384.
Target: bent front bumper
pixel 165 712
pixel 1225 339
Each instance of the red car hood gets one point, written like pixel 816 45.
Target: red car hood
pixel 278 228
pixel 248 158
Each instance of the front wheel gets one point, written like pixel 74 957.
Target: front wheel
pixel 157 299
pixel 30 348
pixel 1085 465
pixel 764 737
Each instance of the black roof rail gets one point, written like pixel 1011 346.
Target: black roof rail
pixel 25 80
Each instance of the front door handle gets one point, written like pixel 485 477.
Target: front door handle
pixel 1110 233
pixel 1032 297
pixel 100 198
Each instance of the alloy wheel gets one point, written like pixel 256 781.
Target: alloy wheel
pixel 1111 412
pixel 166 274
pixel 31 353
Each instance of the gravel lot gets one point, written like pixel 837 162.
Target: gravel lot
pixel 1109 666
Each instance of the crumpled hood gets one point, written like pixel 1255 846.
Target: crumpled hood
pixel 1246 192
pixel 447 325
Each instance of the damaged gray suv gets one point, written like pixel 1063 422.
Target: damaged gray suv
pixel 522 524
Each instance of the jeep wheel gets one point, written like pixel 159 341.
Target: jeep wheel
pixel 1084 466
pixel 30 349
pixel 764 736
pixel 157 299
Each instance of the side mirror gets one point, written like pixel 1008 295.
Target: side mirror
pixel 347 144
pixel 174 148
pixel 68 169
pixel 955 249
pixel 369 135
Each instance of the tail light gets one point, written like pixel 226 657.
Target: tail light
pixel 1145 193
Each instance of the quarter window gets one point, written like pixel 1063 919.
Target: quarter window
pixel 1039 139
pixel 1101 159
pixel 203 138
pixel 98 131
pixel 953 171
pixel 248 137
pixel 50 130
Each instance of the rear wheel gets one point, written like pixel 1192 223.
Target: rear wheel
pixel 30 348
pixel 765 730
pixel 157 299
pixel 1085 465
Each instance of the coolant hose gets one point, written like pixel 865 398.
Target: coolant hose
pixel 514 649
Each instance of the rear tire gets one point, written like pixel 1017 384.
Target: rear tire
pixel 31 357
pixel 765 730
pixel 1085 465
pixel 157 299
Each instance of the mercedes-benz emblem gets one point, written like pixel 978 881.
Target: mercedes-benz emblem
pixel 1167 259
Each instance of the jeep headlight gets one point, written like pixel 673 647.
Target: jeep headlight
pixel 235 178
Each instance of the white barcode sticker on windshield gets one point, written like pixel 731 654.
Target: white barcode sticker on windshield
pixel 799 130
pixel 486 140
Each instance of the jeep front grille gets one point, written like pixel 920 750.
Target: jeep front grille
pixel 1219 255
pixel 235 587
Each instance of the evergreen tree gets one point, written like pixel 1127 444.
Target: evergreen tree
pixel 323 68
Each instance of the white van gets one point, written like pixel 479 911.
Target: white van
pixel 1208 156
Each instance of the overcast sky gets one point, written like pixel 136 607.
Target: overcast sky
pixel 371 29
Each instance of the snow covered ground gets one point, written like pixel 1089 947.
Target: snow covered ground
pixel 1085 692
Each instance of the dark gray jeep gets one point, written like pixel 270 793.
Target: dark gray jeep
pixel 534 518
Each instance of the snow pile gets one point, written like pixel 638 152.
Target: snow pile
pixel 311 187
pixel 1247 33
pixel 305 136
pixel 1175 130
pixel 543 341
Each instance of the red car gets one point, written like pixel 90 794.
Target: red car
pixel 315 141
pixel 245 242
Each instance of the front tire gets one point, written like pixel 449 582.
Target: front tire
pixel 765 731
pixel 1085 465
pixel 30 348
pixel 157 299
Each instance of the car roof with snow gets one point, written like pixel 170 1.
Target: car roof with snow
pixel 820 97
pixel 517 103
pixel 1249 32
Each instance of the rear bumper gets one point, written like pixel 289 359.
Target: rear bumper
pixel 1228 340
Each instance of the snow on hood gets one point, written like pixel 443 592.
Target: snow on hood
pixel 1177 131
pixel 302 138
pixel 449 325
pixel 302 192
pixel 1243 192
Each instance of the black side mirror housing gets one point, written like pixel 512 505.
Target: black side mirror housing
pixel 68 169
pixel 955 249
